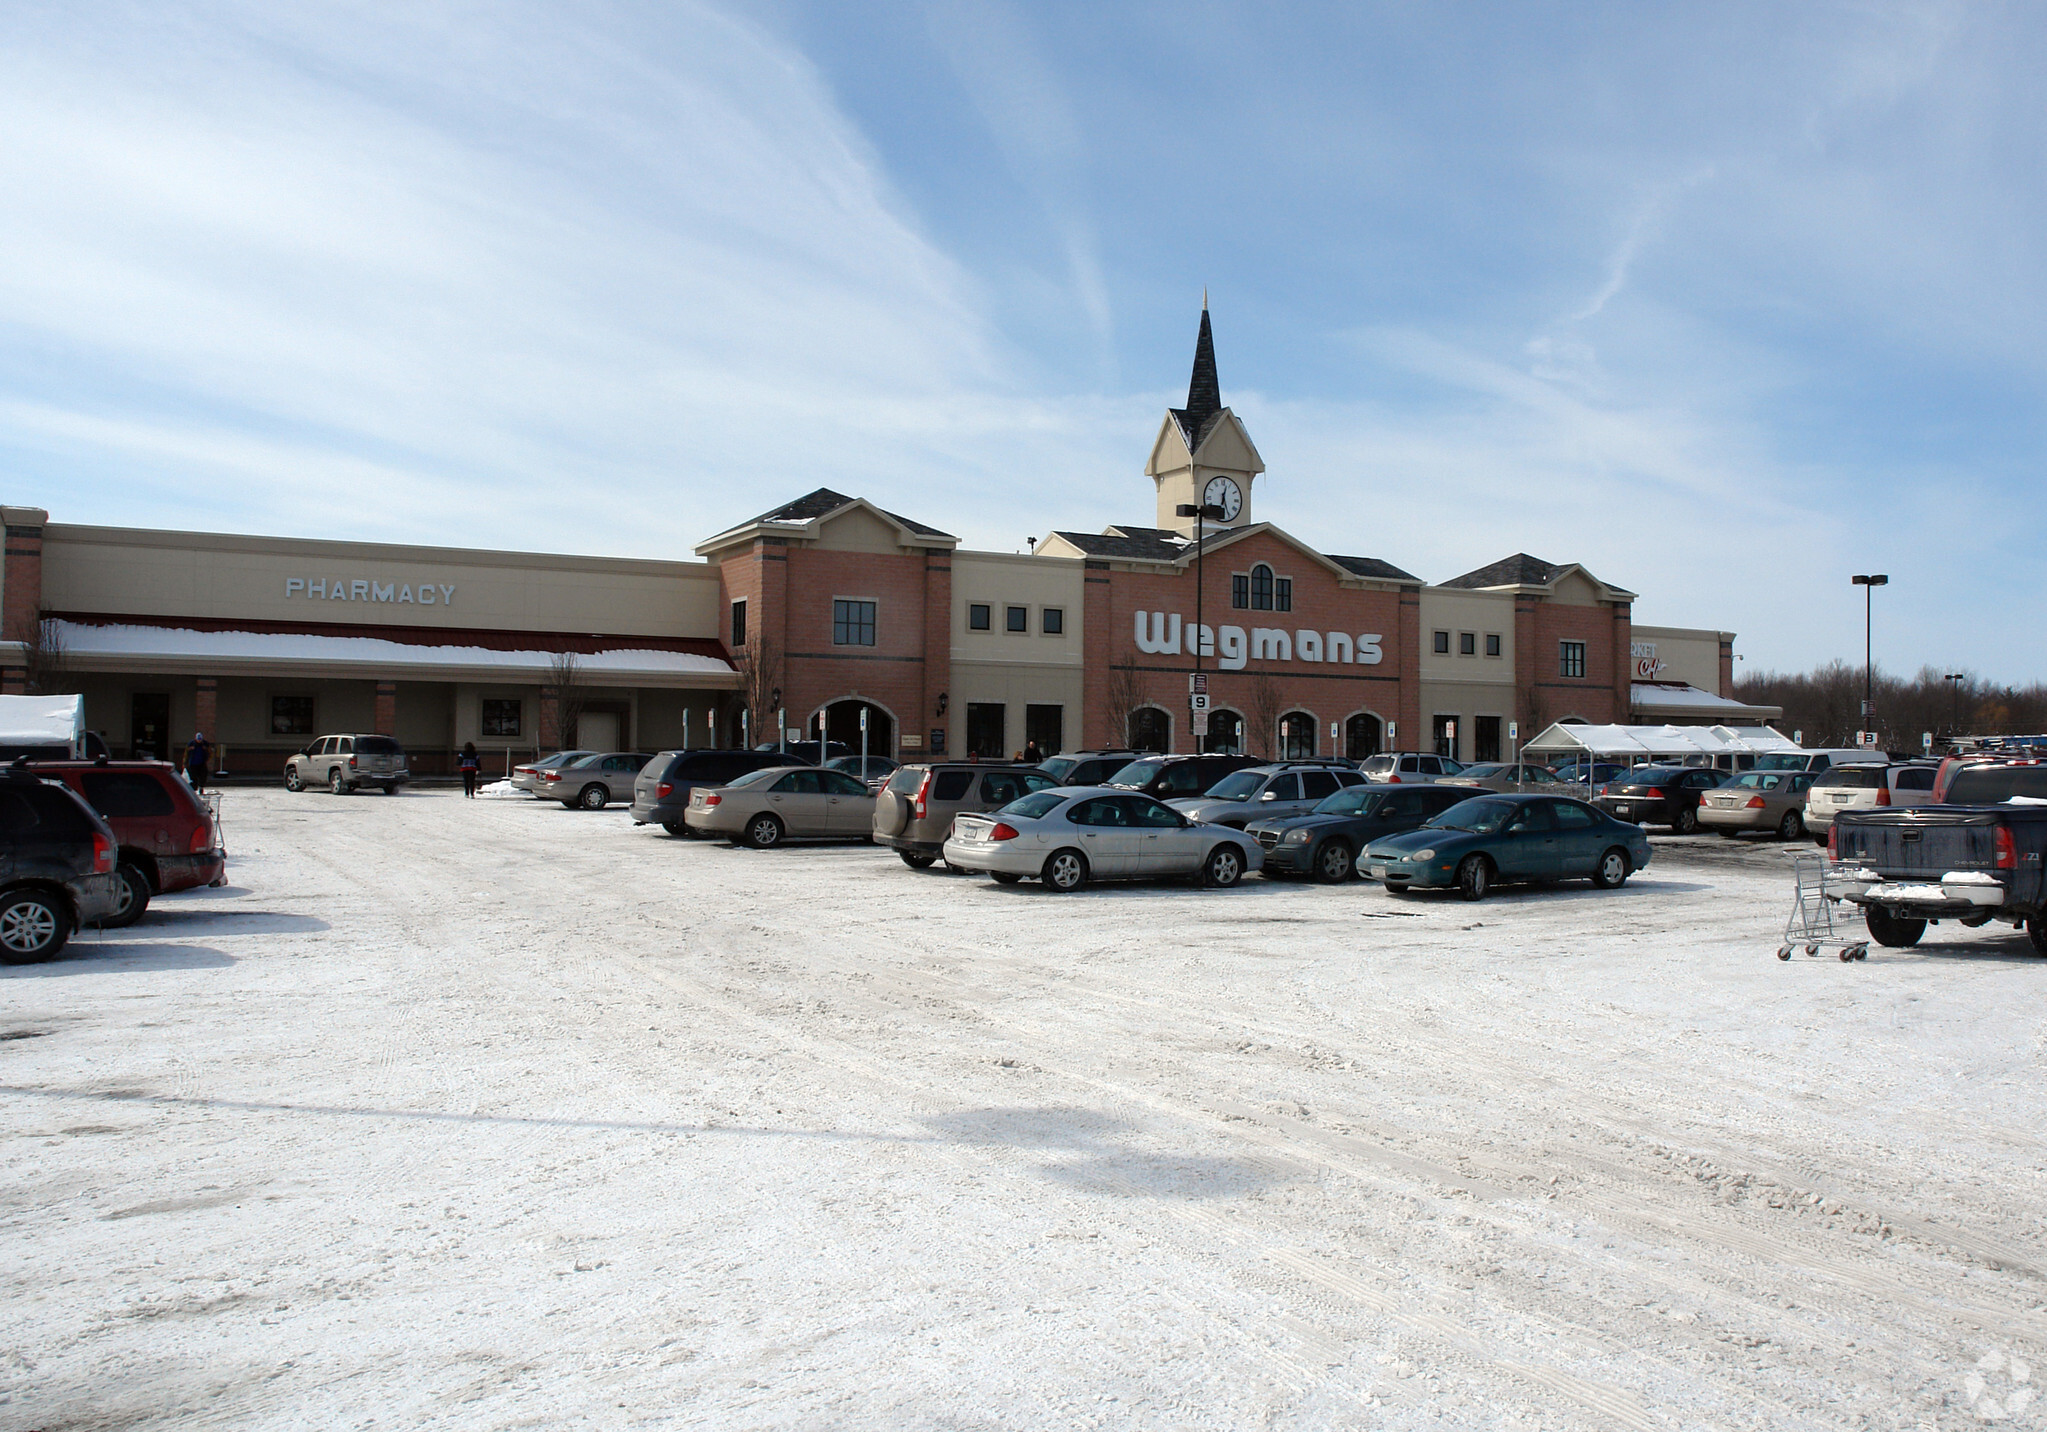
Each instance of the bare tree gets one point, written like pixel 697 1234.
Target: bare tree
pixel 1122 694
pixel 48 669
pixel 759 665
pixel 1267 703
pixel 565 675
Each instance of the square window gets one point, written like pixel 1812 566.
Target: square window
pixel 1442 643
pixel 1016 618
pixel 977 616
pixel 738 624
pixel 291 715
pixel 1571 658
pixel 1492 644
pixel 1467 643
pixel 1055 621
pixel 1283 594
pixel 1240 591
pixel 852 623
pixel 501 715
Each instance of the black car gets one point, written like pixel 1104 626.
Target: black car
pixel 661 789
pixel 1660 795
pixel 1168 776
pixel 1086 768
pixel 1326 841
pixel 58 864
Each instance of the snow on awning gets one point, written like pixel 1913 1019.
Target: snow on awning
pixel 1632 743
pixel 219 653
pixel 42 721
pixel 1676 698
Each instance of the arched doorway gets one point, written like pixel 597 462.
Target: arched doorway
pixel 842 724
pixel 1296 736
pixel 1151 730
pixel 1225 733
pixel 1362 734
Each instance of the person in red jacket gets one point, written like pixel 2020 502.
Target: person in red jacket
pixel 470 765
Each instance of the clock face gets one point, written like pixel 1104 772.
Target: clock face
pixel 1223 493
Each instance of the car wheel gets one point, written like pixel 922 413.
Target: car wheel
pixel 1687 822
pixel 1727 834
pixel 291 779
pixel 1003 877
pixel 391 789
pixel 1474 877
pixel 675 827
pixel 1065 871
pixel 335 783
pixel 593 797
pixel 2037 933
pixel 1223 868
pixel 1820 841
pixel 134 898
pixel 1613 869
pixel 1792 826
pixel 763 831
pixel 1895 931
pixel 33 926
pixel 918 862
pixel 1333 863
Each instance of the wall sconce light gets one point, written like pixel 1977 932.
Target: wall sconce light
pixel 941 702
pixel 776 698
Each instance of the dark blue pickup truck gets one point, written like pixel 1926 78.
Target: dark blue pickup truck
pixel 1975 859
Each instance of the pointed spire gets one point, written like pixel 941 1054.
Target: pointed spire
pixel 1204 390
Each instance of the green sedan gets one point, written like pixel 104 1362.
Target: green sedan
pixel 1490 840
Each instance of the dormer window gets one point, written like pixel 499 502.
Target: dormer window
pixel 1261 588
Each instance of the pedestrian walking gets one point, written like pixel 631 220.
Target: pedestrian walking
pixel 198 757
pixel 470 765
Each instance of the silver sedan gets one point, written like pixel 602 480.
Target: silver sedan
pixel 1067 837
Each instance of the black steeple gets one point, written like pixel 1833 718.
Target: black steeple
pixel 1204 390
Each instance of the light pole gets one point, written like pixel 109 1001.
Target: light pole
pixel 1200 513
pixel 1954 680
pixel 1869 584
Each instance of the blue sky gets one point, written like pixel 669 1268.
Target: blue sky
pixel 1727 302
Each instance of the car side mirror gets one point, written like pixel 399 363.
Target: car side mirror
pixel 1270 796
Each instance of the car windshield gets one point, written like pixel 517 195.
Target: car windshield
pixel 1039 803
pixel 754 778
pixel 1782 761
pixel 1137 773
pixel 1352 800
pixel 1237 786
pixel 1758 781
pixel 1481 817
pixel 1059 767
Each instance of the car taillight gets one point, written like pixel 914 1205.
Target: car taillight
pixel 202 839
pixel 102 854
pixel 1394 779
pixel 1833 842
pixel 2007 853
pixel 664 790
pixel 1755 802
pixel 714 799
pixel 917 802
pixel 1004 831
pixel 351 763
pixel 1883 795
pixel 550 775
pixel 1652 793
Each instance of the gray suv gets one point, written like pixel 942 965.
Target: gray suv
pixel 1266 793
pixel 57 868
pixel 913 814
pixel 662 788
pixel 348 763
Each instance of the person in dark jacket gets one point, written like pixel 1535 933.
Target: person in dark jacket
pixel 1031 754
pixel 471 766
pixel 198 757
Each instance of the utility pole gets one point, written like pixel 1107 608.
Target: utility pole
pixel 1200 513
pixel 1954 680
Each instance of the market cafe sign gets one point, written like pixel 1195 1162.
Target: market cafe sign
pixel 1162 633
pixel 1646 664
pixel 356 589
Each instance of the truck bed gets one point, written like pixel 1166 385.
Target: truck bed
pixel 1925 845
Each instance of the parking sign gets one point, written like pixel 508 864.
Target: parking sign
pixel 1198 701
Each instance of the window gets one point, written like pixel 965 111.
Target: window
pixel 1467 643
pixel 1572 817
pixel 1442 643
pixel 952 785
pixel 1317 784
pixel 1283 594
pixel 1571 658
pixel 1225 732
pixel 1485 738
pixel 986 726
pixel 501 715
pixel 1045 728
pixel 977 616
pixel 1240 592
pixel 1261 588
pixel 1149 729
pixel 738 627
pixel 1296 736
pixel 131 794
pixel 852 623
pixel 1918 778
pixel 291 715
pixel 1054 621
pixel 1492 643
pixel 1361 737
pixel 1017 619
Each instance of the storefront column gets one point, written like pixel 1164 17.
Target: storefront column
pixel 206 716
pixel 550 719
pixel 21 592
pixel 387 708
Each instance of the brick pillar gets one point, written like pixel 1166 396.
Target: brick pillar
pixel 1098 644
pixel 21 589
pixel 1727 667
pixel 1623 662
pixel 1410 736
pixel 206 712
pixel 550 719
pixel 1528 670
pixel 937 639
pixel 387 708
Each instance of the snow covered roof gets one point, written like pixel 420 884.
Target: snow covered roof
pixel 1676 698
pixel 42 720
pixel 153 648
pixel 1631 741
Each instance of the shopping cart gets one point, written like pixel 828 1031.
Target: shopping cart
pixel 1814 910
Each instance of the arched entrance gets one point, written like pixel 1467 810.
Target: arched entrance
pixel 1151 730
pixel 842 724
pixel 1296 736
pixel 1362 735
pixel 1225 733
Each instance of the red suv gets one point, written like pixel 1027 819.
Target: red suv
pixel 167 836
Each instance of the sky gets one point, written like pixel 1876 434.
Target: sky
pixel 1727 302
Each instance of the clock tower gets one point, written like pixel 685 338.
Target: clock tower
pixel 1202 455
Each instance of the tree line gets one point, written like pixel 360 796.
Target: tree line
pixel 1826 704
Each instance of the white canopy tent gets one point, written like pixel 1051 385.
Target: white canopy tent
pixel 43 725
pixel 1720 746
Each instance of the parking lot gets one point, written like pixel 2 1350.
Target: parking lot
pixel 493 1113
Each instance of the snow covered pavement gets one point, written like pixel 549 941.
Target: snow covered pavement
pixel 480 1114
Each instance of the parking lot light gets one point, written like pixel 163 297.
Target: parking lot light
pixel 1869 583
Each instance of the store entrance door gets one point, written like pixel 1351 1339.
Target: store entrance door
pixel 149 726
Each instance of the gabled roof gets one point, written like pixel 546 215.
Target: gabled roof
pixel 1522 570
pixel 1373 567
pixel 1132 544
pixel 813 508
pixel 1158 544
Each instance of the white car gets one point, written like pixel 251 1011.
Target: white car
pixel 1864 787
pixel 1071 835
pixel 1409 769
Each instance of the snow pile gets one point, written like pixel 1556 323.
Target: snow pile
pixel 502 791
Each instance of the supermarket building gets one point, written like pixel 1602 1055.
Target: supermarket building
pixel 829 606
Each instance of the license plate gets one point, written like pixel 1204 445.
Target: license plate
pixel 1378 872
pixel 1623 810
